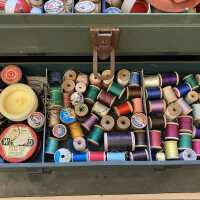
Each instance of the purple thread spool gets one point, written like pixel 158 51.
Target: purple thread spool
pixel 185 124
pixel 169 79
pixel 157 106
pixel 172 131
pixel 139 155
pixel 55 78
pixel 196 132
pixel 188 154
pixel 90 121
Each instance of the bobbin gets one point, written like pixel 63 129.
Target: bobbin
pixel 59 131
pixel 123 123
pixel 96 156
pixel 106 98
pixel 154 122
pixel 185 124
pixel 171 131
pixel 107 123
pixel 62 156
pixel 154 93
pixel 133 92
pixel 196 114
pixel 169 79
pixel 185 141
pixel 134 79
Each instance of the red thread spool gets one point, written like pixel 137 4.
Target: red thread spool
pixel 185 124
pixel 155 139
pixel 196 146
pixel 97 156
pixel 123 109
pixel 137 105
pixel 172 131
pixel 140 6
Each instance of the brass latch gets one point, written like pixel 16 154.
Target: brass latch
pixel 104 43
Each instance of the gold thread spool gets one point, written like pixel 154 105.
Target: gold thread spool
pixel 173 111
pixel 80 87
pixel 70 75
pixel 75 130
pixel 100 109
pixel 137 105
pixel 171 150
pixel 82 78
pixel 186 108
pixel 54 117
pixel 169 94
pixel 95 80
pixel 81 110
pixel 192 97
pixel 107 123
pixel 123 77
pixel 105 73
pixel 151 81
pixel 68 86
pixel 123 123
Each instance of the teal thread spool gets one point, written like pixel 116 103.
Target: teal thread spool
pixel 92 93
pixel 52 145
pixel 116 89
pixel 56 98
pixel 185 141
pixel 190 79
pixel 96 135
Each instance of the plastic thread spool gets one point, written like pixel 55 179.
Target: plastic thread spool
pixel 196 133
pixel 139 155
pixel 196 114
pixel 90 121
pixel 171 150
pixel 36 121
pixel 76 98
pixel 96 156
pixel 157 122
pixel 154 93
pixel 62 156
pixel 157 106
pixel 66 100
pixel 96 135
pixel 192 97
pixel 185 141
pixel 107 123
pixel 56 99
pixel 134 79
pixel 105 73
pixel 185 124
pixel 169 94
pixel 79 144
pixel 123 123
pixel 116 89
pixel 67 116
pixel 186 108
pixel 59 131
pixel 81 110
pixel 123 109
pixel 182 89
pixel 119 141
pixel 70 75
pixel 123 77
pixel 160 156
pixel 100 109
pixel 54 117
pixel 139 121
pixel 140 139
pixel 196 146
pixel 169 79
pixel 75 130
pixel 68 86
pixel 134 92
pixel 116 156
pixel 92 93
pixel 80 157
pixel 172 131
pixel 151 81
pixel 106 98
pixel 80 87
pixel 190 79
pixel 52 145
pixel 82 78
pixel 173 111
pixel 137 105
pixel 155 139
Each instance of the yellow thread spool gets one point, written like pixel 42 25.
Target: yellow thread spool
pixel 76 130
pixel 171 150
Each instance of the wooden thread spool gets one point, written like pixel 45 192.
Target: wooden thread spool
pixel 90 122
pixel 92 93
pixel 116 89
pixel 105 73
pixel 123 77
pixel 75 130
pixel 70 75
pixel 185 124
pixel 196 114
pixel 81 110
pixel 198 78
pixel 151 81
pixel 66 99
pixel 79 144
pixel 107 123
pixel 95 80
pixel 96 135
pixel 172 131
pixel 185 141
pixel 68 86
pixel 139 155
pixel 54 117
pixel 191 80
pixel 157 122
pixel 123 123
pixel 106 98
pixel 82 78
pixel 80 87
pixel 169 94
pixel 100 109
pixel 140 139
pixel 134 79
pixel 137 105
pixel 182 89
pixel 186 108
pixel 196 146
pixel 123 109
pixel 155 139
pixel 134 92
pixel 173 111
pixel 171 150
pixel 192 97
pixel 157 106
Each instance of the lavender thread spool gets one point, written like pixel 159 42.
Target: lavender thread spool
pixel 157 106
pixel 90 121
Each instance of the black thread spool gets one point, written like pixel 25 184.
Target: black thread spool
pixel 157 122
pixel 139 155
pixel 140 139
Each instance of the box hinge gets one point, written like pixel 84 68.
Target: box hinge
pixel 104 43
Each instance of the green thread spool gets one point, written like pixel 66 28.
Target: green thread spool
pixel 116 89
pixel 56 99
pixel 190 79
pixel 92 93
pixel 96 135
pixel 185 141
pixel 52 145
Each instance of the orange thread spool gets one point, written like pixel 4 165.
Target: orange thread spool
pixel 137 105
pixel 123 109
pixel 66 99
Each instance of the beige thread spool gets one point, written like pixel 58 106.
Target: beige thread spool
pixel 198 78
pixel 123 77
pixel 81 110
pixel 95 80
pixel 107 123
pixel 105 73
pixel 68 86
pixel 169 94
pixel 137 105
pixel 186 108
pixel 80 87
pixel 123 123
pixel 192 97
pixel 82 78
pixel 70 75
pixel 79 144
pixel 151 81
pixel 54 117
pixel 100 109
pixel 173 111
pixel 171 150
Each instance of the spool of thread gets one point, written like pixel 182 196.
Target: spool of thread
pixel 100 109
pixel 54 117
pixel 134 92
pixel 140 139
pixel 171 78
pixel 52 145
pixel 82 78
pixel 134 79
pixel 55 78
pixel 67 116
pixel 192 97
pixel 68 86
pixel 123 123
pixel 196 114
pixel 155 139
pixel 80 87
pixel 137 105
pixel 172 131
pixel 190 79
pixel 116 156
pixel 123 77
pixel 139 121
pixel 81 110
pixel 139 155
pixel 96 156
pixel 92 93
pixel 70 75
pixel 76 98
pixel 157 106
pixel 198 78
pixel 123 109
pixel 185 124
pixel 188 154
pixel 151 81
pixel 95 80
pixel 59 131
pixel 96 135
pixel 154 93
pixel 75 130
pixel 106 73
pixel 182 89
pixel 160 156
pixel 157 122
pixel 56 97
pixel 119 141
pixel 196 146
pixel 196 133
pixel 79 144
pixel 66 99
pixel 173 111
pixel 106 98
pixel 62 156
pixel 80 157
pixel 116 89
pixel 107 123
pixel 185 141
pixel 90 122
pixel 185 107
pixel 171 150
pixel 169 94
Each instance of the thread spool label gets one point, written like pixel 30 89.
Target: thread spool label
pixel 36 120
pixel 139 121
pixel 62 156
pixel 59 130
pixel 67 115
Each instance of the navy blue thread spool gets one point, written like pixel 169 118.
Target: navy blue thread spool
pixel 134 79
pixel 182 89
pixel 171 78
pixel 139 155
pixel 80 157
pixel 55 78
pixel 116 156
pixel 154 93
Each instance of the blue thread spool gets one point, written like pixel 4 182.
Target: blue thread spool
pixel 62 156
pixel 112 10
pixel 154 93
pixel 52 145
pixel 182 89
pixel 116 156
pixel 55 78
pixel 135 79
pixel 80 157
pixel 1 160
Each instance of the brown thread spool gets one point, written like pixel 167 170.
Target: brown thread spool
pixel 192 97
pixel 95 80
pixel 140 139
pixel 107 123
pixel 137 105
pixel 186 108
pixel 173 111
pixel 66 99
pixel 80 87
pixel 123 123
pixel 105 73
pixel 68 86
pixel 169 94
pixel 70 75
pixel 134 92
pixel 157 122
pixel 106 98
pixel 123 77
pixel 82 78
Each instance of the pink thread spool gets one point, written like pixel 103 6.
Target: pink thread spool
pixel 185 124
pixel 196 146
pixel 157 106
pixel 171 131
pixel 155 139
